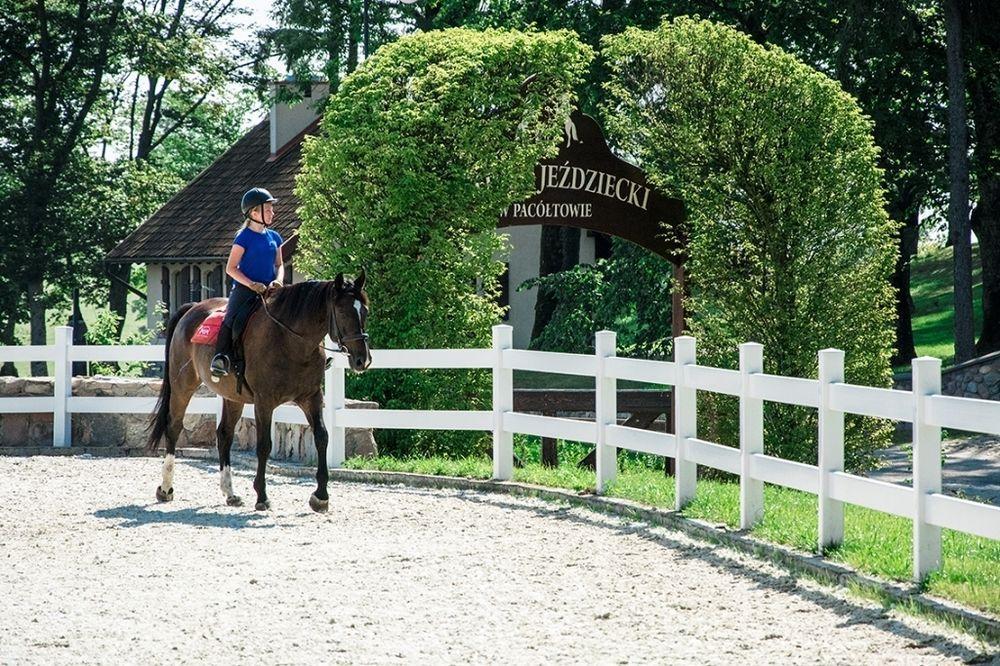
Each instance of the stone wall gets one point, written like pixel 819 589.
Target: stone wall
pixel 128 431
pixel 978 378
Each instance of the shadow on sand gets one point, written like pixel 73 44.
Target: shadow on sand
pixel 135 515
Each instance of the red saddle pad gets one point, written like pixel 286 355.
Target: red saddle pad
pixel 209 329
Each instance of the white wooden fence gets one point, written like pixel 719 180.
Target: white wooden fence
pixel 924 407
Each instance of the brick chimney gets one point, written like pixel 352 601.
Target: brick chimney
pixel 288 120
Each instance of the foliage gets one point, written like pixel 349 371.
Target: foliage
pixel 421 148
pixel 43 118
pixel 209 131
pixel 790 244
pixel 103 330
pixel 628 293
pixel 100 203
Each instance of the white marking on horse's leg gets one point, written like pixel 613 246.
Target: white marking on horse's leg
pixel 168 473
pixel 226 482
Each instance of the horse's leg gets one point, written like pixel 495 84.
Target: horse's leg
pixel 263 414
pixel 231 412
pixel 313 409
pixel 180 396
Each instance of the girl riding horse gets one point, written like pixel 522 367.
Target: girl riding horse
pixel 285 346
pixel 254 264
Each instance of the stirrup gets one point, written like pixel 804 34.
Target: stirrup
pixel 220 365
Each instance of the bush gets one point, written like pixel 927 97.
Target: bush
pixel 790 243
pixel 628 293
pixel 421 148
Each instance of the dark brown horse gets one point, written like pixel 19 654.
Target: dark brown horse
pixel 285 363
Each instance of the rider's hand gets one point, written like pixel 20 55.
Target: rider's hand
pixel 273 287
pixel 258 287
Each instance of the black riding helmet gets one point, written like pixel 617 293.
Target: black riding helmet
pixel 258 196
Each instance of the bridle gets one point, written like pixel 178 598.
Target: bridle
pixel 332 328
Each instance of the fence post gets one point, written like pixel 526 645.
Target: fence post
pixel 62 420
pixel 334 399
pixel 831 450
pixel 503 401
pixel 605 411
pixel 926 467
pixel 685 421
pixel 751 435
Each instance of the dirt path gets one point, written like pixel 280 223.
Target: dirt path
pixel 970 469
pixel 92 571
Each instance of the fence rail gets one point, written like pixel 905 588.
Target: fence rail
pixel 922 503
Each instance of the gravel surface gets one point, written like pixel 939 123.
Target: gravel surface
pixel 93 571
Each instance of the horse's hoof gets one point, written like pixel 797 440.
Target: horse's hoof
pixel 164 496
pixel 263 506
pixel 234 500
pixel 318 505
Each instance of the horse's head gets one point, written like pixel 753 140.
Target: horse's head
pixel 348 318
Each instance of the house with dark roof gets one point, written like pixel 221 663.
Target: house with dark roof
pixel 185 244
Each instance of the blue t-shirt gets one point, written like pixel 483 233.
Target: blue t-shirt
pixel 259 253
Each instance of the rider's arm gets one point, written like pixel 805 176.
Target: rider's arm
pixel 279 273
pixel 233 266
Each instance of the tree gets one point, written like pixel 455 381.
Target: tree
pixel 958 199
pixel 982 29
pixel 55 58
pixel 180 54
pixel 421 148
pixel 790 243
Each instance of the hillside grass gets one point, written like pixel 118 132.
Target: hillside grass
pixel 932 288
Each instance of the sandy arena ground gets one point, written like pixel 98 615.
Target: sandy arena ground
pixel 93 571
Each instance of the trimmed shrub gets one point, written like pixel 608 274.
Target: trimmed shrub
pixel 790 243
pixel 421 149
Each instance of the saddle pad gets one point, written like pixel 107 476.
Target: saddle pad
pixel 209 329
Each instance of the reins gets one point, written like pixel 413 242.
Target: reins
pixel 333 325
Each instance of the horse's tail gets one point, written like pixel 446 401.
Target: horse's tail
pixel 161 417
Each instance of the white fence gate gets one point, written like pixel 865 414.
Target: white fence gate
pixel 924 407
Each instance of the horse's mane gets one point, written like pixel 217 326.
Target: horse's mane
pixel 306 297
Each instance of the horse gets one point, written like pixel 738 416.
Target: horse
pixel 282 343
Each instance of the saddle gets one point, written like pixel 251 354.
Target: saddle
pixel 208 334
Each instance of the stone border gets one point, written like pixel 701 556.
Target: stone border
pixel 891 594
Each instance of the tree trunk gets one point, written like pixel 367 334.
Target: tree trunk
pixel 7 338
pixel 353 35
pixel 36 307
pixel 905 350
pixel 984 90
pixel 366 28
pixel 958 200
pixel 118 294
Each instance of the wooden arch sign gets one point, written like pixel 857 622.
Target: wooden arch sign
pixel 587 186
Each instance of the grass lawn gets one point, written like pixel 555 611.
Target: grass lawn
pixel 933 301
pixel 875 543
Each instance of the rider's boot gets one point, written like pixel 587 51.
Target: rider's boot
pixel 223 348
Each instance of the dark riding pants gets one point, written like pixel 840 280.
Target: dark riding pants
pixel 241 303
